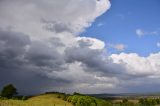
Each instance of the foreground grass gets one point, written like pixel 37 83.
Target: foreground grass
pixel 41 100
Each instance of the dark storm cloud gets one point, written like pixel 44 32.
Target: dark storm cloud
pixel 29 82
pixel 18 47
pixel 12 47
pixel 26 64
pixel 42 55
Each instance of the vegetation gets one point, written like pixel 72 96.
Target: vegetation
pixel 141 102
pixel 8 91
pixel 149 101
pixel 83 100
pixel 9 97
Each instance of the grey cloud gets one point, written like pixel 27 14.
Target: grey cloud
pixel 29 82
pixel 84 44
pixel 57 27
pixel 24 62
pixel 12 47
pixel 97 61
pixel 93 60
pixel 56 42
pixel 42 55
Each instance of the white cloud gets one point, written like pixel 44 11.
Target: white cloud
pixel 57 16
pixel 137 65
pixel 141 32
pixel 92 43
pixel 119 47
pixel 158 44
pixel 100 24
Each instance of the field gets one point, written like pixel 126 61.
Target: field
pixel 121 100
pixel 41 100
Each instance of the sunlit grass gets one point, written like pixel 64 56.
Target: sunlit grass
pixel 41 100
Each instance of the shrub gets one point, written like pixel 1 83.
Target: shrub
pixel 24 98
pixel 69 98
pixel 74 99
pixel 58 96
pixel 125 100
pixel 3 98
pixel 65 97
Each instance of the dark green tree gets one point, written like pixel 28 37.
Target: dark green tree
pixel 76 93
pixel 8 91
pixel 125 100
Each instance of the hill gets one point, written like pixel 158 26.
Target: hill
pixel 56 99
pixel 40 100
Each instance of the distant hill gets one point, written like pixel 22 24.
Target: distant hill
pixel 105 95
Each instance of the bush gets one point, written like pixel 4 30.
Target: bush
pixel 65 97
pixel 58 96
pixel 82 100
pixel 74 99
pixel 149 101
pixel 3 98
pixel 24 98
pixel 69 98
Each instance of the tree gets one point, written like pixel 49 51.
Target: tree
pixel 8 91
pixel 125 100
pixel 76 93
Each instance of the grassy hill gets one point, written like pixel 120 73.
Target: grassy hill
pixel 61 99
pixel 40 100
pixel 56 99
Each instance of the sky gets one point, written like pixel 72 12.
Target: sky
pixel 120 25
pixel 108 46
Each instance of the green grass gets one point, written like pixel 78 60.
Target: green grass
pixel 41 100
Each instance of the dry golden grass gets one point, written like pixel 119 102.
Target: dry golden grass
pixel 134 101
pixel 41 100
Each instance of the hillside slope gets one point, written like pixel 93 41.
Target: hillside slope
pixel 40 100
